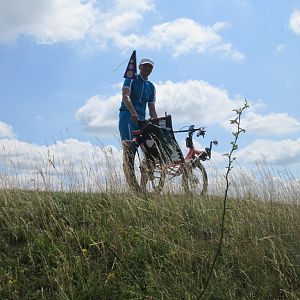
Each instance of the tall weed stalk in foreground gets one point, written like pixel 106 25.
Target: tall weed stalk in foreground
pixel 230 161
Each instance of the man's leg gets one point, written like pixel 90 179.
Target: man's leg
pixel 126 128
pixel 129 152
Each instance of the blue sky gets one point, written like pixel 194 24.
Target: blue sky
pixel 62 62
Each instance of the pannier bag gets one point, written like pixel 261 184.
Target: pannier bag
pixel 159 141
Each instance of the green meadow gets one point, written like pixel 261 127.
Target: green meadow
pixel 109 245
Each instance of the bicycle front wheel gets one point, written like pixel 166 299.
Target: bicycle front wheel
pixel 143 175
pixel 195 179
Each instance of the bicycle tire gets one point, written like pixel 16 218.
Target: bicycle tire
pixel 195 180
pixel 136 175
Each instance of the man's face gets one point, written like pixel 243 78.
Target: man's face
pixel 146 70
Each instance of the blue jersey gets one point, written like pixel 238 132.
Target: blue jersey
pixel 141 92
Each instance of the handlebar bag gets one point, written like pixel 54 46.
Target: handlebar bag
pixel 160 144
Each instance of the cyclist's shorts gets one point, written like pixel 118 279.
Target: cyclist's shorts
pixel 126 125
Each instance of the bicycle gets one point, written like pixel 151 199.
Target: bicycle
pixel 163 157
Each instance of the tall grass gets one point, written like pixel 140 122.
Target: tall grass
pixel 74 245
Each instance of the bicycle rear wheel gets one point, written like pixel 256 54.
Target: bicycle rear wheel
pixel 141 174
pixel 195 179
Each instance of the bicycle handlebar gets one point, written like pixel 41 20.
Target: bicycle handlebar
pixel 191 130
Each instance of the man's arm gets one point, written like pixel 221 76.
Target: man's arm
pixel 152 110
pixel 128 103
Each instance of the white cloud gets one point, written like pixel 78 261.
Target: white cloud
pixel 65 164
pixel 186 101
pixel 6 130
pixel 183 36
pixel 196 100
pixel 125 15
pixel 227 50
pixel 61 153
pixel 294 22
pixel 100 115
pixel 51 21
pixel 282 152
pixel 48 21
pixel 271 124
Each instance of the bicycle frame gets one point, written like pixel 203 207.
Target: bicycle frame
pixel 149 172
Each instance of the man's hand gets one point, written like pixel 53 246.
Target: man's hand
pixel 134 118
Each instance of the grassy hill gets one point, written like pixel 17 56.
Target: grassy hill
pixel 56 245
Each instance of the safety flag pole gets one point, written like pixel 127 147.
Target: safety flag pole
pixel 131 70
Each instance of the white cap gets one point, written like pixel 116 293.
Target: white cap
pixel 147 60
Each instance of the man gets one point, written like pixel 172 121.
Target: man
pixel 136 94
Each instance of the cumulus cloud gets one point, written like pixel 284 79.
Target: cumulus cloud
pixel 183 36
pixel 197 100
pixel 6 130
pixel 68 151
pixel 294 22
pixel 48 21
pixel 51 21
pixel 70 164
pixel 99 115
pixel 124 15
pixel 282 152
pixel 185 101
pixel 270 124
